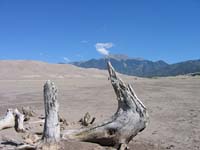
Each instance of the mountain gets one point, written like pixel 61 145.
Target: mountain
pixel 141 67
pixel 186 67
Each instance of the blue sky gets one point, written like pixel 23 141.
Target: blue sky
pixel 64 30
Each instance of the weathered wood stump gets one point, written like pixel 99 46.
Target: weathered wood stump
pixel 19 121
pixel 8 121
pixel 13 118
pixel 130 119
pixel 51 131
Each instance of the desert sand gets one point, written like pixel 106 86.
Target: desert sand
pixel 173 102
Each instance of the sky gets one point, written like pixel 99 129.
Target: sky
pixel 77 30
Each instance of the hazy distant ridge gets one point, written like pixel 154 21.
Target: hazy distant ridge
pixel 143 68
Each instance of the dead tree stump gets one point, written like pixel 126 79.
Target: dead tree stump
pixel 13 118
pixel 130 119
pixel 19 121
pixel 51 131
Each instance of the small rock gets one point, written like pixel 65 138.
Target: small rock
pixel 170 147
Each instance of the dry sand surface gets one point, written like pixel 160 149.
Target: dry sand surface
pixel 173 102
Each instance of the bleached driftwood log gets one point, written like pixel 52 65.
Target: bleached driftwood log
pixel 131 117
pixel 13 119
pixel 51 131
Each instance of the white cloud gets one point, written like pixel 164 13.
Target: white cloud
pixel 66 59
pixel 102 48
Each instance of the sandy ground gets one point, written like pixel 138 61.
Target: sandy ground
pixel 173 103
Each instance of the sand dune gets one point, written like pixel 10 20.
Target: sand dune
pixel 25 69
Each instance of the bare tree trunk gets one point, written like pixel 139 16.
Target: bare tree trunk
pixel 131 117
pixel 51 131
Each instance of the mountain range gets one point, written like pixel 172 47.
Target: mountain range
pixel 141 67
